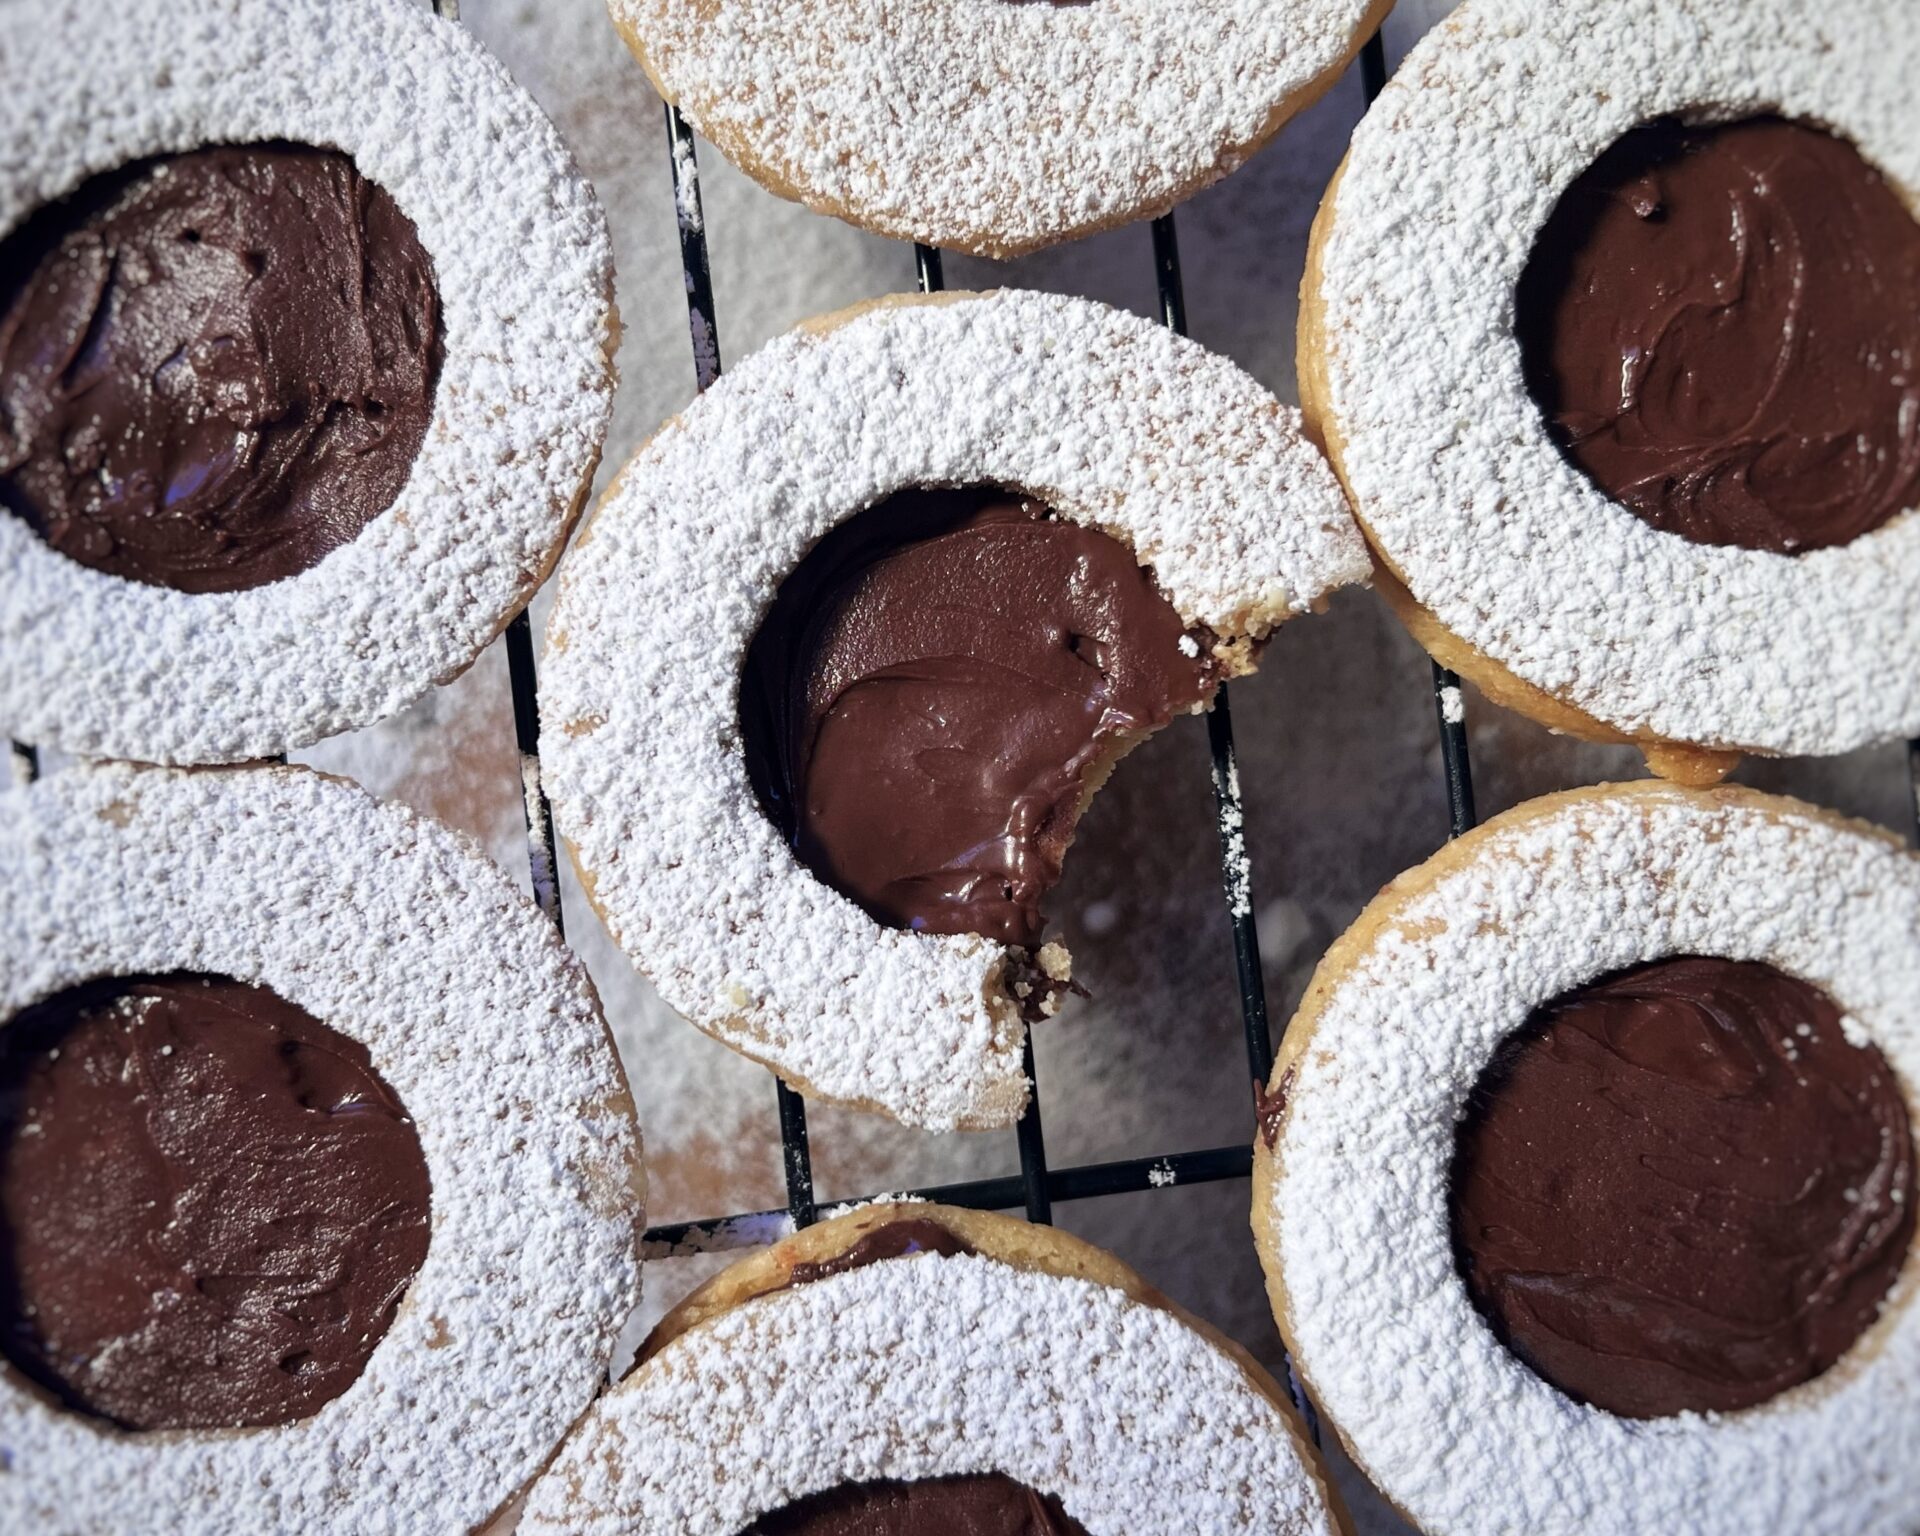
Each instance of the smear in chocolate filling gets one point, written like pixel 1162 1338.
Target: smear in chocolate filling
pixel 1684 1188
pixel 938 688
pixel 215 367
pixel 210 1204
pixel 1722 327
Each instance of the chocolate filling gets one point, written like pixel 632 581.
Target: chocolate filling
pixel 897 1239
pixel 216 367
pixel 210 1204
pixel 982 1504
pixel 933 690
pixel 1683 1189
pixel 1722 327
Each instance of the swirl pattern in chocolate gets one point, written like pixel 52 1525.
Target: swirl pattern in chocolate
pixel 1684 1189
pixel 933 691
pixel 215 368
pixel 210 1204
pixel 982 1504
pixel 1722 327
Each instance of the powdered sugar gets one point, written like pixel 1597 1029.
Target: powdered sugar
pixel 1451 177
pixel 987 126
pixel 1109 419
pixel 1450 1425
pixel 401 935
pixel 930 1367
pixel 105 666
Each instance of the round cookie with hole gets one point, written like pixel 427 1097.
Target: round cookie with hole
pixel 1590 1157
pixel 913 1369
pixel 993 127
pixel 1611 328
pixel 320 1185
pixel 305 368
pixel 848 646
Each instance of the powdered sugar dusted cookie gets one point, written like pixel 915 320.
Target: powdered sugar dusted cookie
pixel 305 332
pixel 1609 329
pixel 848 646
pixel 907 1367
pixel 1590 1159
pixel 319 1173
pixel 992 126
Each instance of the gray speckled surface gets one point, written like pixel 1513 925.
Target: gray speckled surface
pixel 1339 751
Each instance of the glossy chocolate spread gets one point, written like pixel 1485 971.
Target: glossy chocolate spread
pixel 210 1204
pixel 897 1239
pixel 1722 326
pixel 983 1504
pixel 215 368
pixel 1684 1188
pixel 932 689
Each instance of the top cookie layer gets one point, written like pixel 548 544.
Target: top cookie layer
pixel 103 666
pixel 935 1366
pixel 990 126
pixel 1412 359
pixel 1110 420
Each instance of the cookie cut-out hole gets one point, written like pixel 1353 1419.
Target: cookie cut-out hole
pixel 1684 1188
pixel 937 687
pixel 220 369
pixel 1721 326
pixel 211 1205
pixel 977 1502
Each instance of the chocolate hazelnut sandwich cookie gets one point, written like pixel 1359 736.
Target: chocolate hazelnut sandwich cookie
pixel 926 1371
pixel 320 1188
pixel 1585 1187
pixel 842 656
pixel 1612 329
pixel 992 126
pixel 306 319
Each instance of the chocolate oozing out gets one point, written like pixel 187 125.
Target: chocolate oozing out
pixel 210 1204
pixel 981 1504
pixel 215 367
pixel 897 1239
pixel 1722 327
pixel 1683 1189
pixel 932 690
